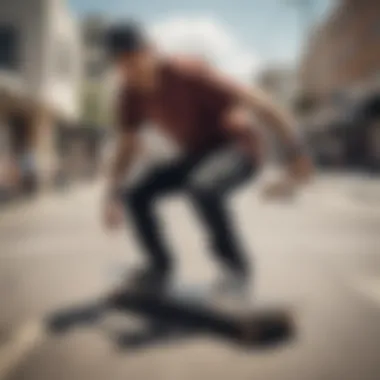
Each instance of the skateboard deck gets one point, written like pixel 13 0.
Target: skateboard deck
pixel 190 309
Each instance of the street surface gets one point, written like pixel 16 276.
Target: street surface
pixel 319 254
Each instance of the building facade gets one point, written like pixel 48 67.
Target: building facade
pixel 339 81
pixel 40 75
pixel 343 52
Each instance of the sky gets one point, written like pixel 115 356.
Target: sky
pixel 241 36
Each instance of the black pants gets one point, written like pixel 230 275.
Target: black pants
pixel 208 179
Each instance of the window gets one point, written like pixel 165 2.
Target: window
pixel 9 48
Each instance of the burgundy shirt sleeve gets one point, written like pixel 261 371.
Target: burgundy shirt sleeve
pixel 214 89
pixel 219 94
pixel 129 113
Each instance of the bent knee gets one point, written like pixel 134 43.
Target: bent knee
pixel 203 192
pixel 136 197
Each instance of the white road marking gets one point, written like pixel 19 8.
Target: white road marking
pixel 19 346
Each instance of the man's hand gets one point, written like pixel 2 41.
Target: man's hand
pixel 299 172
pixel 113 215
pixel 301 169
pixel 282 189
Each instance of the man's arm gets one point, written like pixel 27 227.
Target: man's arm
pixel 276 118
pixel 125 150
pixel 285 127
pixel 128 118
pixel 122 159
pixel 240 103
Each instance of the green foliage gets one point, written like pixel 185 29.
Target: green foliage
pixel 95 110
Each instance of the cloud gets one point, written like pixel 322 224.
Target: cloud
pixel 208 38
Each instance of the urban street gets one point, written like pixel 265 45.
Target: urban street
pixel 317 254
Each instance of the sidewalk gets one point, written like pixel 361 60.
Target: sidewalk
pixel 360 187
pixel 47 202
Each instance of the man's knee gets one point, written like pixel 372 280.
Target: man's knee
pixel 202 194
pixel 137 198
pixel 202 189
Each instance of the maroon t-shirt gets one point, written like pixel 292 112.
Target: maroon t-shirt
pixel 188 105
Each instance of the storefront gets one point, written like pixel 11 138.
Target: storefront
pixel 351 140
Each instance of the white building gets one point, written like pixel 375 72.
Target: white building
pixel 40 72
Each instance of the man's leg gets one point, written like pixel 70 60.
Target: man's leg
pixel 210 183
pixel 140 201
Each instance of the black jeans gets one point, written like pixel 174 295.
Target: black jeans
pixel 208 179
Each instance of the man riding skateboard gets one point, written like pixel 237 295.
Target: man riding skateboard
pixel 210 119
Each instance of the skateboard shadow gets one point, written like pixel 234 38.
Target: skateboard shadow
pixel 154 335
pixel 179 315
pixel 162 335
pixel 170 326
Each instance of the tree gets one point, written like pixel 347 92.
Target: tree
pixel 95 105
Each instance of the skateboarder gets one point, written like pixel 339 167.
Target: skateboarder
pixel 210 119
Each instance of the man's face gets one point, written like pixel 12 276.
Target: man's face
pixel 136 68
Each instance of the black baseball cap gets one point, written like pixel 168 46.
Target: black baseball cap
pixel 125 38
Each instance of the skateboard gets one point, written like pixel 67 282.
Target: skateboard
pixel 182 311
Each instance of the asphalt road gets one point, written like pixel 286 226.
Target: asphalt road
pixel 318 254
